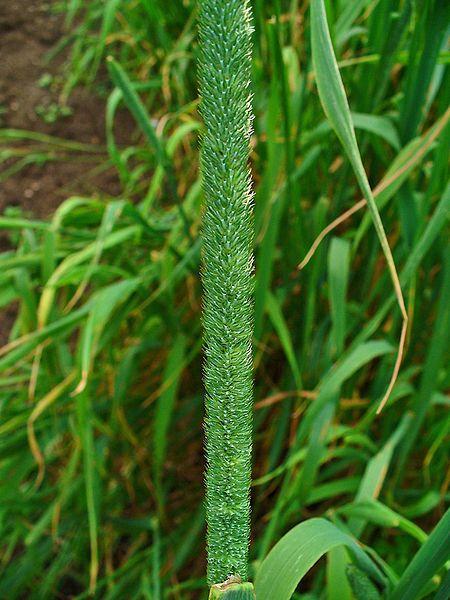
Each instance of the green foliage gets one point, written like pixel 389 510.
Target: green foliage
pixel 294 555
pixel 227 272
pixel 101 403
pixel 334 102
pixel 429 560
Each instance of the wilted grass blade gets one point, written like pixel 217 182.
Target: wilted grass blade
pixel 40 407
pixel 103 304
pixel 334 102
pixel 408 158
pixel 73 260
pixel 423 245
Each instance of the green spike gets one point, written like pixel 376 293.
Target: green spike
pixel 227 273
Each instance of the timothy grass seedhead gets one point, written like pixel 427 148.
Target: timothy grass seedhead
pixel 224 74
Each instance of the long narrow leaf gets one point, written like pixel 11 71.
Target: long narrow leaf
pixel 428 560
pixel 335 104
pixel 294 555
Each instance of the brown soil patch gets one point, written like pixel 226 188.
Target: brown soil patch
pixel 28 31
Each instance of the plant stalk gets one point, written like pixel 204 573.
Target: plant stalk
pixel 232 590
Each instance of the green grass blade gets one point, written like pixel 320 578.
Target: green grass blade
pixel 375 474
pixel 338 587
pixel 165 403
pixel 156 560
pixel 91 481
pixel 375 512
pixel 319 416
pixel 433 362
pixel 345 368
pixel 338 272
pixel 73 260
pixel 109 12
pixel 280 325
pixel 428 561
pixel 103 304
pixel 137 108
pixel 346 19
pixel 400 169
pixel 267 249
pixel 443 592
pixel 423 245
pixel 139 112
pixel 422 61
pixel 294 555
pixel 380 126
pixel 335 105
pixel 315 450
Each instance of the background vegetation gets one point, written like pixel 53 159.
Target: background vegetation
pixel 101 397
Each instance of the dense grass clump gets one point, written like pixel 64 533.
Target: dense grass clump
pixel 101 362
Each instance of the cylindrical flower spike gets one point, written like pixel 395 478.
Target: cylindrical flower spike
pixel 227 272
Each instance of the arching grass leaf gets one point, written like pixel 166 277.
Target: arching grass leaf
pixel 294 555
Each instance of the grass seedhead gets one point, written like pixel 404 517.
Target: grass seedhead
pixel 227 274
